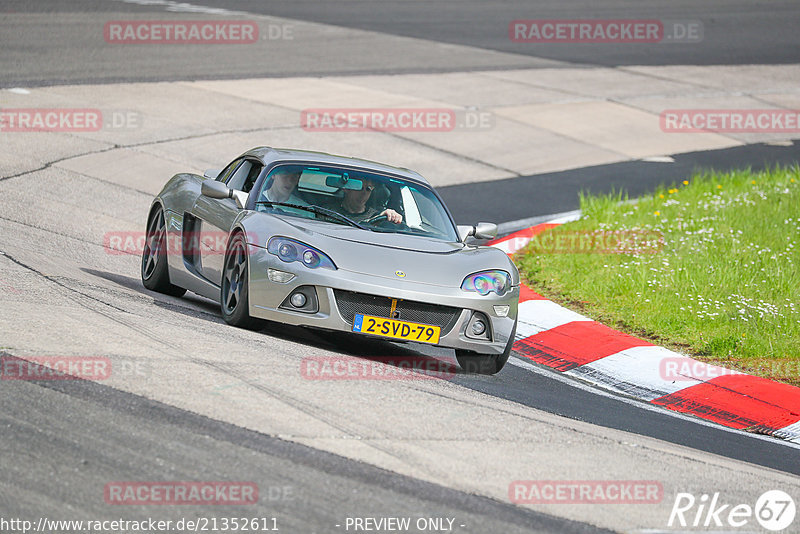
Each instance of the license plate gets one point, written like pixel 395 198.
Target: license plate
pixel 381 326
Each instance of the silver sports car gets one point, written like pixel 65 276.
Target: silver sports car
pixel 330 242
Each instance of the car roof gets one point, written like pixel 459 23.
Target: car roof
pixel 270 155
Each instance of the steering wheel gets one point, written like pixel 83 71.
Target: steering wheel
pixel 377 219
pixel 382 221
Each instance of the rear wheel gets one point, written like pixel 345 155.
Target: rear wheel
pixel 234 296
pixel 155 275
pixel 485 364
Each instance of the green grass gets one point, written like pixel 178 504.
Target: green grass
pixel 723 285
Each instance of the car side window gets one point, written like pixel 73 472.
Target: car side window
pixel 252 176
pixel 226 172
pixel 244 176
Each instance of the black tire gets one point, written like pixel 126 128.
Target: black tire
pixel 234 298
pixel 485 364
pixel 155 275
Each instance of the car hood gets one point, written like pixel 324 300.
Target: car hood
pixel 418 259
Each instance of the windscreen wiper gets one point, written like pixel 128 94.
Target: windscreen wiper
pixel 313 209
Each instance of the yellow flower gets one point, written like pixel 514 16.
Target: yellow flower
pixel 686 182
pixel 657 213
pixel 719 187
pixel 660 196
pixel 753 182
pixel 792 180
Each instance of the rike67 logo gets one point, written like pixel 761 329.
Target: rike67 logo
pixel 774 510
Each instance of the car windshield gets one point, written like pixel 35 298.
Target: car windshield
pixel 365 200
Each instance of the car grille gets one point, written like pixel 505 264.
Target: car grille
pixel 351 303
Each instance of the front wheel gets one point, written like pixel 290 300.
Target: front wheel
pixel 234 295
pixel 155 275
pixel 485 364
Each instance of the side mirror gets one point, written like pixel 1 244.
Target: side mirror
pixel 214 189
pixel 212 174
pixel 482 230
pixel 485 230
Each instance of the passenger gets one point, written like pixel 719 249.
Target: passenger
pixel 281 186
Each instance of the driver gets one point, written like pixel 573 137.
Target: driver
pixel 354 205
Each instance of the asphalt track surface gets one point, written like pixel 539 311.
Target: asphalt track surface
pixel 561 398
pixel 61 442
pixel 78 436
pixel 739 32
pixel 735 32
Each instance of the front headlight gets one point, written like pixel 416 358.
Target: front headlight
pixel 486 282
pixel 289 250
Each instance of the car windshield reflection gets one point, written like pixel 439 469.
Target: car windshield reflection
pixel 361 199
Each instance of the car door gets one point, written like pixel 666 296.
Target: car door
pixel 214 218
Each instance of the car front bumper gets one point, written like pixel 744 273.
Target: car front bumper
pixel 267 297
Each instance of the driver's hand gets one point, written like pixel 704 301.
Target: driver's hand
pixel 392 216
